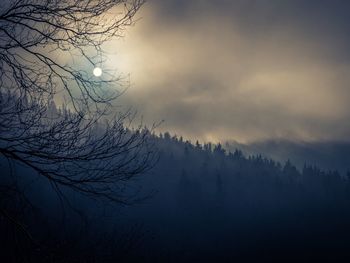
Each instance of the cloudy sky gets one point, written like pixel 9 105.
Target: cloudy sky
pixel 242 70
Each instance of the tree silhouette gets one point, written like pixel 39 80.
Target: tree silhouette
pixel 82 146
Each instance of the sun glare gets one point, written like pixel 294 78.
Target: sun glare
pixel 97 72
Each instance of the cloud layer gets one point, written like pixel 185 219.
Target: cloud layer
pixel 239 71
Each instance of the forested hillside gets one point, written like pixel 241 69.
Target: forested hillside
pixel 197 202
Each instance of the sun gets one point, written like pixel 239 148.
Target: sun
pixel 97 72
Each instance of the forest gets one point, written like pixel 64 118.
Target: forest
pixel 197 202
pixel 90 173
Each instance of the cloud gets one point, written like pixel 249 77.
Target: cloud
pixel 237 71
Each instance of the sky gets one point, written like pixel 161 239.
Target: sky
pixel 245 70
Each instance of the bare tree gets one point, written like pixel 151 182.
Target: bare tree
pixel 80 146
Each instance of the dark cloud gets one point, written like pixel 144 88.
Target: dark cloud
pixel 244 70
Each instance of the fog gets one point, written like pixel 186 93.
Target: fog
pixel 238 71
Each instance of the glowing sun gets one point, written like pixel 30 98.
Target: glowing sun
pixel 97 72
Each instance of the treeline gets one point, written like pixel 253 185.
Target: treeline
pixel 199 202
pixel 216 205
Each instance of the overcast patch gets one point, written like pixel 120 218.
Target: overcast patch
pixel 213 76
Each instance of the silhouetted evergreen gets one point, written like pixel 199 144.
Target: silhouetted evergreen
pixel 202 203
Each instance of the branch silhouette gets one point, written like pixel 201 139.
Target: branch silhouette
pixel 82 145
